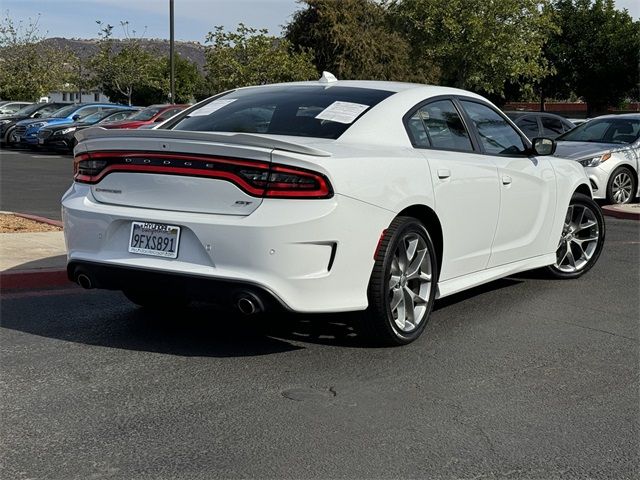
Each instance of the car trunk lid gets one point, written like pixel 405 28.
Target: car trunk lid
pixel 200 172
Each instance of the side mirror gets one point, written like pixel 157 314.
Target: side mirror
pixel 543 146
pixel 37 115
pixel 75 117
pixel 158 120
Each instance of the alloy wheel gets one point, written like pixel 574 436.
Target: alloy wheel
pixel 579 239
pixel 621 187
pixel 410 282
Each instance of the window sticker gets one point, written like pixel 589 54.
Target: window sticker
pixel 342 112
pixel 212 107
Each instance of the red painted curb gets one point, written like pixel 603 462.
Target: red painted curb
pixel 36 218
pixel 614 212
pixel 43 278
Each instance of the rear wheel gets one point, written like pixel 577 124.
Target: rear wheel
pixel 402 286
pixel 581 240
pixel 622 186
pixel 156 300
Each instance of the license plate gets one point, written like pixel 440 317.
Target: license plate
pixel 155 239
pixel 41 141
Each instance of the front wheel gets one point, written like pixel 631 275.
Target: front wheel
pixel 581 240
pixel 622 186
pixel 403 284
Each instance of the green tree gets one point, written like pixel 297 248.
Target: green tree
pixel 478 44
pixel 188 78
pixel 353 40
pixel 29 69
pixel 124 71
pixel 251 57
pixel 595 55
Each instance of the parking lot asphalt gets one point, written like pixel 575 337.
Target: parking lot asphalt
pixel 523 378
pixel 33 182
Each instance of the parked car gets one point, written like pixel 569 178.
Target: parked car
pixel 35 110
pixel 348 195
pixel 10 108
pixel 578 121
pixel 26 132
pixel 149 116
pixel 62 137
pixel 540 124
pixel 608 147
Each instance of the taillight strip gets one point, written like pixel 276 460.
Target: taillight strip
pixel 272 186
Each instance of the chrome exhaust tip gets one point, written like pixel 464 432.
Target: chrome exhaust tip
pixel 249 304
pixel 84 281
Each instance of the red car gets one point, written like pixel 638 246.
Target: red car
pixel 147 116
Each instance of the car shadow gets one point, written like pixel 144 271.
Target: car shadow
pixel 57 261
pixel 205 330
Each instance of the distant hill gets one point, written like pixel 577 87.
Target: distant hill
pixel 85 48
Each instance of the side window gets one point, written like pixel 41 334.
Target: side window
pixel 417 131
pixel 496 135
pixel 552 127
pixel 443 127
pixel 529 126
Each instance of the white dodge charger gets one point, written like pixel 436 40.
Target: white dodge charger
pixel 325 196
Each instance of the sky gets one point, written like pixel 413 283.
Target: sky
pixel 193 18
pixel 150 18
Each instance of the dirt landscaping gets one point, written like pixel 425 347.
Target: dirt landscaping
pixel 14 224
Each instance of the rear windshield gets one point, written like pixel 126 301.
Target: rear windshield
pixel 303 111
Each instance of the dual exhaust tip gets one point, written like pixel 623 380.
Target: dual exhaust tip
pixel 247 303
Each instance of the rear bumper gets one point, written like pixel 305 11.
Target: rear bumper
pixel 313 256
pixel 109 277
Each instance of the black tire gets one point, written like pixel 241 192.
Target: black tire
pixel 621 174
pixel 380 323
pixel 156 300
pixel 7 137
pixel 577 230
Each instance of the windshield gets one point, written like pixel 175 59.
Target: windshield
pixel 96 117
pixel 146 114
pixel 299 110
pixel 65 112
pixel 622 130
pixel 28 110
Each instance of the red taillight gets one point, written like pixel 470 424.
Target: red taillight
pixel 259 179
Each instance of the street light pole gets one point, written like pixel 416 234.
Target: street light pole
pixel 171 54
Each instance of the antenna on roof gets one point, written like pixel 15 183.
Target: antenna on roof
pixel 327 77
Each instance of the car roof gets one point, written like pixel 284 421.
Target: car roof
pixel 389 86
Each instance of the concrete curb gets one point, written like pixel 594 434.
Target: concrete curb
pixel 625 212
pixel 33 279
pixel 36 218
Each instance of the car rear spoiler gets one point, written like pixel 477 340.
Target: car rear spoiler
pixel 248 139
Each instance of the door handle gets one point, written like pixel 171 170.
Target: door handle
pixel 444 173
pixel 506 180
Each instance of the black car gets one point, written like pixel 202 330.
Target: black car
pixel 540 124
pixel 35 110
pixel 58 137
